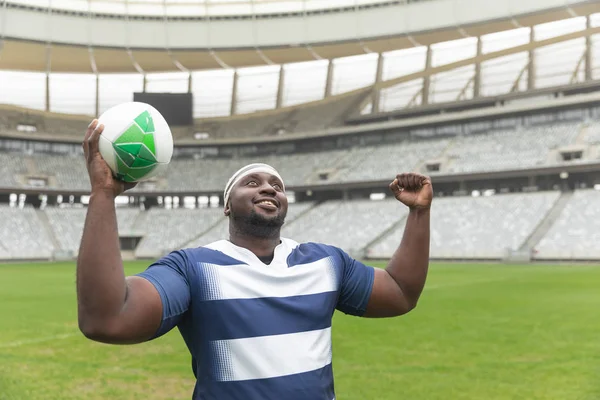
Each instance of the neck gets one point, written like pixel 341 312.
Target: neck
pixel 263 248
pixel 256 234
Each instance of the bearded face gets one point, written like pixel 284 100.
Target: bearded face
pixel 258 205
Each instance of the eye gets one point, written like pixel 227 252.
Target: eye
pixel 277 186
pixel 251 183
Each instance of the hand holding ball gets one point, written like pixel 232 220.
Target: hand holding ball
pixel 136 143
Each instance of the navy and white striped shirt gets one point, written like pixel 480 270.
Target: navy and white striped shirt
pixel 257 331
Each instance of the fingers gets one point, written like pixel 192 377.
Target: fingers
pixel 412 181
pixel 395 187
pixel 93 142
pixel 90 129
pixel 88 133
pixel 409 181
pixel 406 181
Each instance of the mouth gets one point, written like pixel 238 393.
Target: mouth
pixel 267 204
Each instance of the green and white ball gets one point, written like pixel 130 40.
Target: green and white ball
pixel 136 143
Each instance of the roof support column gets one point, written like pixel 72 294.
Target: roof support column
pixel 48 69
pixel 588 51
pixel 47 101
pixel 378 77
pixel 427 77
pixel 48 56
pixel 477 78
pixel 531 65
pixel 280 87
pixel 234 93
pixel 329 81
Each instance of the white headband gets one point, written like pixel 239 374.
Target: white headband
pixel 247 170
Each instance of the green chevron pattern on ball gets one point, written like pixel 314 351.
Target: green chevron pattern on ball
pixel 135 149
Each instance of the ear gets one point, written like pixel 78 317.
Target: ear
pixel 227 211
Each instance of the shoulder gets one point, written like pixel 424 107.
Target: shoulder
pixel 311 251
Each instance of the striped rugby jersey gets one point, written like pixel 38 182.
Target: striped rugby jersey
pixel 257 331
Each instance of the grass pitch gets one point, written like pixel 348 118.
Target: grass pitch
pixel 480 332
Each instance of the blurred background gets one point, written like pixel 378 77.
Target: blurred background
pixel 497 100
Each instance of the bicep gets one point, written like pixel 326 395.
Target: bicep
pixel 387 299
pixel 156 301
pixel 142 313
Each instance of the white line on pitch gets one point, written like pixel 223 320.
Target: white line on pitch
pixel 18 343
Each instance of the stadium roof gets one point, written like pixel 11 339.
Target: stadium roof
pixel 35 55
pixel 191 8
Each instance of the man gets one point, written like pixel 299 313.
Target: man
pixel 255 310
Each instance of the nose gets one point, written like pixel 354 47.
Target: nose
pixel 267 188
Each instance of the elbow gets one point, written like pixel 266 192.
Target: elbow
pixel 405 306
pixel 90 329
pixel 97 330
pixel 412 302
pixel 411 306
pixel 408 300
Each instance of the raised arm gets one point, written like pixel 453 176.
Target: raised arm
pixel 111 308
pixel 397 288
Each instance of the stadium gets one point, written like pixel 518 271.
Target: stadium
pixel 497 101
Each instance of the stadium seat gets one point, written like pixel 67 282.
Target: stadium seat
pixel 477 227
pixel 576 232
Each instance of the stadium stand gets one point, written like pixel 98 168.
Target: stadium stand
pixel 67 172
pixel 477 227
pixel 21 236
pixel 462 227
pixel 218 232
pixel 67 224
pixel 576 233
pixel 309 117
pixel 323 115
pixel 351 225
pixel 510 149
pixel 466 129
pixel 593 133
pixel 375 162
pixel 42 124
pixel 166 229
pixel 127 219
pixel 298 169
pixel 11 166
pixel 484 152
pixel 243 126
pixel 4 253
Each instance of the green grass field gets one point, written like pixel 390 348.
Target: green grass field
pixel 480 332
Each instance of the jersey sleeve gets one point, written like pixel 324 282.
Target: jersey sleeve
pixel 355 287
pixel 169 275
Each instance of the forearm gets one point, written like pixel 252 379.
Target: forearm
pixel 410 262
pixel 101 287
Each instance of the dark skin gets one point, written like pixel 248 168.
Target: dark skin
pixel 116 309
pixel 111 308
pixel 248 196
pixel 397 288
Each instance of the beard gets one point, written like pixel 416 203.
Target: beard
pixel 257 225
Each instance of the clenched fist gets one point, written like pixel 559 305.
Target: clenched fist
pixel 412 189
